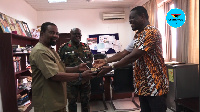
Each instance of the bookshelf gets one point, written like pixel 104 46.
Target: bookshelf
pixel 8 76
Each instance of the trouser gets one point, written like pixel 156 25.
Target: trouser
pixel 72 95
pixel 153 103
pixel 61 110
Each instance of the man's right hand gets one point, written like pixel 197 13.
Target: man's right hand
pixel 82 67
pixel 99 63
pixel 88 74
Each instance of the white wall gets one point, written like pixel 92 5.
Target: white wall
pixel 90 22
pixel 19 10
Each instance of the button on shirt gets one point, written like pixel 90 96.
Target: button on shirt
pixel 150 71
pixel 47 95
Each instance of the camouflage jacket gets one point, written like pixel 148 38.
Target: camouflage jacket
pixel 69 54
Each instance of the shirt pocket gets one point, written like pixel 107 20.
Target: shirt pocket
pixel 70 55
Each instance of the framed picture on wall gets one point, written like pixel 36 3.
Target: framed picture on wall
pixel 20 27
pixel 12 24
pixel 4 24
pixel 25 26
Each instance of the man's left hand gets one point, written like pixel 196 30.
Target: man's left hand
pixel 104 70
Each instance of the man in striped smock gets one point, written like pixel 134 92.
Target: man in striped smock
pixel 151 80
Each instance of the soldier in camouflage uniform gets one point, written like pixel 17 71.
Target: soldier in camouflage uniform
pixel 69 54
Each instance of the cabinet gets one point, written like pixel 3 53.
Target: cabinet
pixel 8 77
pixel 183 83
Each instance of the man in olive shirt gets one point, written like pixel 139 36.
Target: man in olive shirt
pixel 70 53
pixel 49 73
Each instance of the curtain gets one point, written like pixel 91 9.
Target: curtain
pixel 151 7
pixel 188 33
pixel 193 47
pixel 165 30
pixel 182 33
pixel 166 8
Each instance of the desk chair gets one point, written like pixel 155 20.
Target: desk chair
pixel 123 83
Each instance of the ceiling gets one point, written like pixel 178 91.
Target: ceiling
pixel 43 5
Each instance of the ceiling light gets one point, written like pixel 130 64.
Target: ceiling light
pixel 56 1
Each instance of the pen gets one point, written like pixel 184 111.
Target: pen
pixel 83 62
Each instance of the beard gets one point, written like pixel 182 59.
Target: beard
pixel 52 42
pixel 76 41
pixel 134 29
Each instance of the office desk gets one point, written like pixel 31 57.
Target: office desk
pixel 108 89
pixel 107 84
pixel 189 103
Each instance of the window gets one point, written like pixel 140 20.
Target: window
pixel 173 35
pixel 168 33
pixel 161 23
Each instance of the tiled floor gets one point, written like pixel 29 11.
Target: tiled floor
pixel 96 106
pixel 121 105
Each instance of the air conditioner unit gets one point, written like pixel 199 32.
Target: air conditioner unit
pixel 113 15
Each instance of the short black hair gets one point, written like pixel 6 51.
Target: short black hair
pixel 140 10
pixel 73 30
pixel 44 26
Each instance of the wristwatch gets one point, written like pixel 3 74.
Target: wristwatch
pixel 80 77
pixel 113 67
pixel 106 60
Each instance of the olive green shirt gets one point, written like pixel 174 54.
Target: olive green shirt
pixel 47 95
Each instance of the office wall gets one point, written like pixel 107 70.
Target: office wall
pixel 19 10
pixel 90 22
